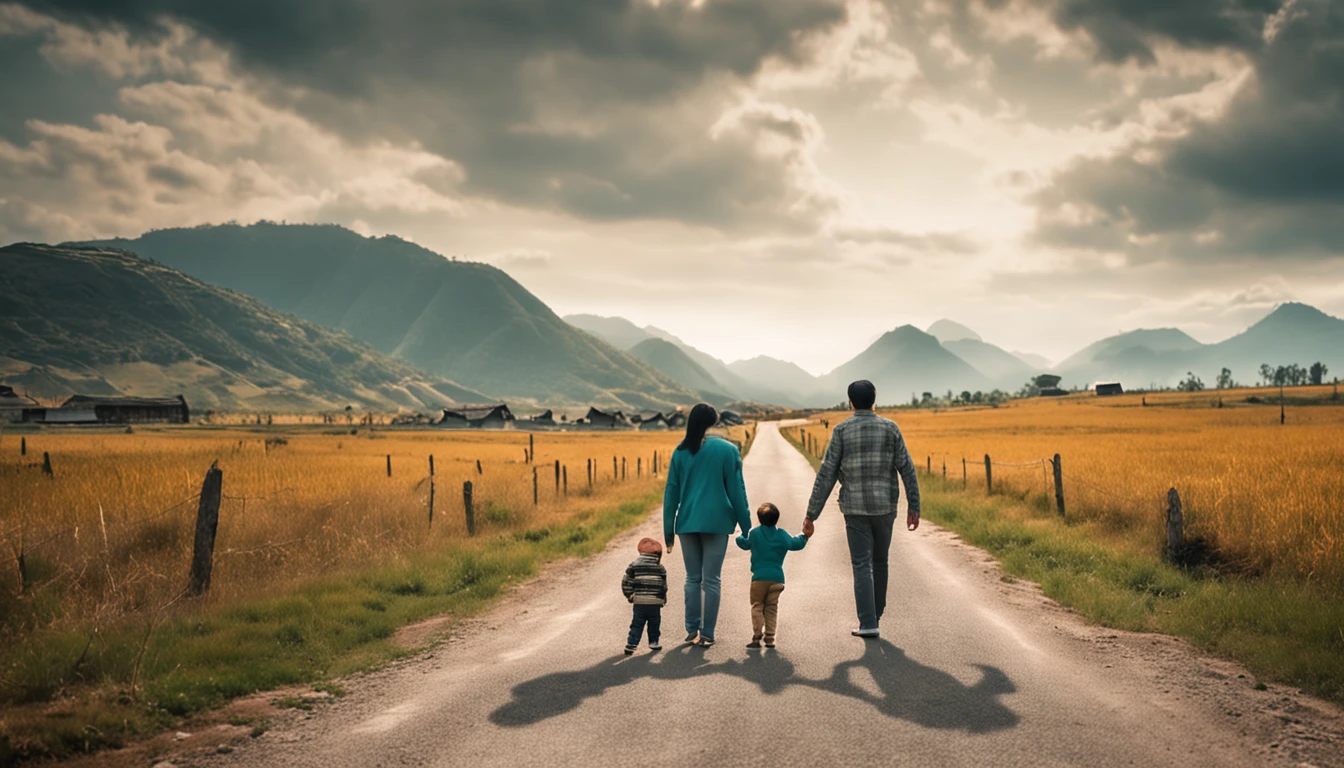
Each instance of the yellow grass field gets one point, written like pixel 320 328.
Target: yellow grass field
pixel 111 533
pixel 1268 497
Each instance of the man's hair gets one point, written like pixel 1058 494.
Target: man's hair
pixel 862 394
pixel 768 514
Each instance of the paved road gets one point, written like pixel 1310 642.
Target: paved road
pixel 962 676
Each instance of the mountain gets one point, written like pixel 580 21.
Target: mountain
pixel 101 321
pixel 783 376
pixel 1035 361
pixel 1004 369
pixel 945 330
pixel 1138 358
pixel 1292 333
pixel 907 361
pixel 616 331
pixel 673 361
pixel 468 322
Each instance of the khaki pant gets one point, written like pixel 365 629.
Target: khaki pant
pixel 764 608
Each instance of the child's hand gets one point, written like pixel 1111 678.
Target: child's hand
pixel 808 527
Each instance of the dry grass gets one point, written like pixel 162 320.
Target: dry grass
pixel 1265 496
pixel 110 534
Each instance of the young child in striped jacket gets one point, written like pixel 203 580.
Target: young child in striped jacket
pixel 645 586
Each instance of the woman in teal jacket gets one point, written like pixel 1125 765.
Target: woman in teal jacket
pixel 704 501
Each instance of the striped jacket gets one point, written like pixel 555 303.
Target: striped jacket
pixel 645 581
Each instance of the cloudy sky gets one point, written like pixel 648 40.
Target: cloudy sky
pixel 782 177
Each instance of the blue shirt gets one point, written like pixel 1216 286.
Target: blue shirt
pixel 769 545
pixel 705 492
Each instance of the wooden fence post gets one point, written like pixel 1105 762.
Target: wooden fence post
pixel 1282 415
pixel 989 476
pixel 944 469
pixel 963 472
pixel 46 465
pixel 564 475
pixel 23 446
pixel 622 468
pixel 534 486
pixel 639 466
pixel 389 465
pixel 928 465
pixel 614 478
pixel 557 477
pixel 468 507
pixel 531 448
pixel 1175 526
pixel 1059 484
pixel 478 467
pixel 207 524
pixel 431 489
pixel 590 474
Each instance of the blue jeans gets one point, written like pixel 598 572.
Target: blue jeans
pixel 869 542
pixel 653 615
pixel 703 555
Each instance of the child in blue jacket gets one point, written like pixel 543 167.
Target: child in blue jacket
pixel 768 546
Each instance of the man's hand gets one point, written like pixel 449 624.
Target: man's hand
pixel 808 527
pixel 669 544
pixel 911 519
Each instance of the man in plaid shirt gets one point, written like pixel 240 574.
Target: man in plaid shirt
pixel 867 455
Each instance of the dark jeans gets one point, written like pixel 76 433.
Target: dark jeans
pixel 653 615
pixel 869 541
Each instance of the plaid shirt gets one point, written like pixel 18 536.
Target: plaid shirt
pixel 867 455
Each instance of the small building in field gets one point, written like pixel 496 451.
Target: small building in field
pixel 676 419
pixel 1047 384
pixel 544 419
pixel 1108 389
pixel 478 416
pixel 12 404
pixel 604 420
pixel 730 419
pixel 652 423
pixel 113 409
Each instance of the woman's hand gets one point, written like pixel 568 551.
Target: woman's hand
pixel 669 544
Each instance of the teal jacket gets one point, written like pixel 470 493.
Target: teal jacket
pixel 705 492
pixel 769 544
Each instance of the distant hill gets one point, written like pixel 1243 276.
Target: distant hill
pixel 783 376
pixel 1005 370
pixel 1138 358
pixel 468 322
pixel 616 331
pixel 908 361
pixel 1035 361
pixel 946 330
pixel 101 321
pixel 673 361
pixel 1292 333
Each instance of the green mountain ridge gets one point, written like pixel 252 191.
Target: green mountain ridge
pixel 672 360
pixel 103 321
pixel 908 361
pixel 468 322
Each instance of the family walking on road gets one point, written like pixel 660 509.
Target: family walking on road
pixel 706 500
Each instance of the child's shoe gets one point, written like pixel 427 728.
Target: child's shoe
pixel 629 649
pixel 755 643
pixel 769 642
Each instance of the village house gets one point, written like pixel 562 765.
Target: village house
pixel 652 422
pixel 12 404
pixel 603 420
pixel 113 409
pixel 676 420
pixel 544 419
pixel 1048 385
pixel 483 416
pixel 730 419
pixel 1108 389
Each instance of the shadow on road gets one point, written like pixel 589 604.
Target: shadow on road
pixel 906 689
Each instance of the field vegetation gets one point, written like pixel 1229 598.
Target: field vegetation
pixel 320 556
pixel 1262 577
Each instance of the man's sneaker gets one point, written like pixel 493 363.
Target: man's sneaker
pixel 705 642
pixel 691 638
pixel 655 646
pixel 861 632
pixel 769 642
pixel 629 649
pixel 755 643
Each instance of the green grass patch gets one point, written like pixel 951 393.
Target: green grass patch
pixel 202 656
pixel 1283 630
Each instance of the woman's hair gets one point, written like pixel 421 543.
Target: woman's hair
pixel 703 416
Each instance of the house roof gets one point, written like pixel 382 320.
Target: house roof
pixel 86 401
pixel 592 412
pixel 477 411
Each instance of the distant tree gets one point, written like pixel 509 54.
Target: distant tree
pixel 1266 374
pixel 1030 389
pixel 927 397
pixel 966 396
pixel 1192 383
pixel 914 400
pixel 978 397
pixel 1225 379
pixel 1318 372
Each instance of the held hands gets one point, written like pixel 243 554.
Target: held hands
pixel 808 527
